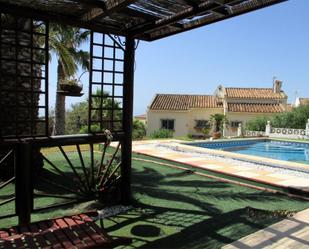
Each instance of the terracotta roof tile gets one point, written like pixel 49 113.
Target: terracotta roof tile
pixel 253 93
pixel 255 108
pixel 289 107
pixel 181 102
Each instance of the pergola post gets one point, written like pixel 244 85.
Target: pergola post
pixel 24 188
pixel 127 120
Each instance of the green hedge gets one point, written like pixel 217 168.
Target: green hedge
pixel 162 133
pixel 295 119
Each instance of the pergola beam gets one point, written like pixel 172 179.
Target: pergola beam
pixel 187 13
pixel 221 2
pixel 191 3
pixel 168 31
pixel 139 14
pixel 221 11
pixel 144 25
pixel 58 18
pixel 110 6
pixel 91 3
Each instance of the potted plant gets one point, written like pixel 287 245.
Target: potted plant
pixel 218 120
pixel 72 86
pixel 206 131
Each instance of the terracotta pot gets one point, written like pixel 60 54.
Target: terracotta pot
pixel 216 135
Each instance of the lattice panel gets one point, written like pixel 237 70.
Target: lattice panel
pixel 23 77
pixel 106 84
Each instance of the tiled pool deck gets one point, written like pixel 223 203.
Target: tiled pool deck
pixel 160 149
pixel 289 233
pixel 292 232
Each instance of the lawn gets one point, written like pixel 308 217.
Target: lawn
pixel 176 208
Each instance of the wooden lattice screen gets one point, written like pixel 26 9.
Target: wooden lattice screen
pixel 105 84
pixel 23 77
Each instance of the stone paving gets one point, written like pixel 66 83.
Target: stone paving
pixel 290 233
pixel 221 162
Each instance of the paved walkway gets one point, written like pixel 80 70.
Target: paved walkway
pixel 276 177
pixel 292 233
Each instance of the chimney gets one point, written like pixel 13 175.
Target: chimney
pixel 220 91
pixel 277 86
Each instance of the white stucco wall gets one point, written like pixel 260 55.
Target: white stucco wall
pixel 180 124
pixel 200 114
pixel 185 121
pixel 297 102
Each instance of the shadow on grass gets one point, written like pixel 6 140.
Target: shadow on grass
pixel 181 210
pixel 211 232
pixel 145 231
pixel 177 209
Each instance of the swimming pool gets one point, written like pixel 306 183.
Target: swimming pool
pixel 280 150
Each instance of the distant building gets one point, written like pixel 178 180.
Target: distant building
pixel 301 101
pixel 189 114
pixel 289 107
pixel 142 118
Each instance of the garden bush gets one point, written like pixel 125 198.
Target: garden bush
pixel 295 119
pixel 257 124
pixel 139 129
pixel 162 133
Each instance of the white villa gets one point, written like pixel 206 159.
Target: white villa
pixel 301 101
pixel 189 114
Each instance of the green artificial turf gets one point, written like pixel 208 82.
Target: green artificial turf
pixel 177 209
pixel 50 182
pixel 172 208
pixel 211 173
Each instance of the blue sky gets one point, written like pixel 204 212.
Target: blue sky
pixel 245 51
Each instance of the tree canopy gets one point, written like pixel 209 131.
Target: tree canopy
pixel 218 120
pixel 65 42
pixel 77 118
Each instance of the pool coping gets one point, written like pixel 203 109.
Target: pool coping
pixel 295 190
pixel 248 158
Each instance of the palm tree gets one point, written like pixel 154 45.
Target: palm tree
pixel 77 117
pixel 103 100
pixel 218 120
pixel 64 41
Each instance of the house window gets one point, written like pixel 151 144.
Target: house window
pixel 168 124
pixel 200 124
pixel 235 124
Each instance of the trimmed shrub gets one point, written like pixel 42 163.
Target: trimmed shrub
pixel 162 133
pixel 139 129
pixel 257 124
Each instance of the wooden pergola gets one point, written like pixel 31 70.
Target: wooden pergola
pixel 115 20
pixel 147 20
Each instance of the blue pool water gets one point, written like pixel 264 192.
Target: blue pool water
pixel 287 151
